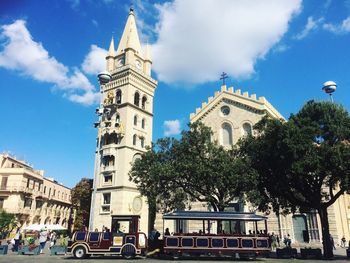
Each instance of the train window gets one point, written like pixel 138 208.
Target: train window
pixel 80 236
pixel 94 236
pixel 106 235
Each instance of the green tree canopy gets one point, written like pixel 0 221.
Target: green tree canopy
pixel 173 173
pixel 7 223
pixel 303 163
pixel 81 202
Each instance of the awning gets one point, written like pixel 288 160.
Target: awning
pixel 203 215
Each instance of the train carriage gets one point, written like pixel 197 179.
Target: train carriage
pixel 229 233
pixel 124 239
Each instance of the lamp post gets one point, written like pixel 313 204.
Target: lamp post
pixel 329 87
pixel 103 78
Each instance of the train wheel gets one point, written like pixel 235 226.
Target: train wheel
pixel 79 252
pixel 128 252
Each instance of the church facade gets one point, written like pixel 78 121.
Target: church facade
pixel 124 129
pixel 231 115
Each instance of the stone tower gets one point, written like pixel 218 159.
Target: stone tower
pixel 124 129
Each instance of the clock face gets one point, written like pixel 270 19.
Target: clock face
pixel 138 64
pixel 137 204
pixel 120 62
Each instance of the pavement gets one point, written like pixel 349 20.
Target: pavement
pixel 11 257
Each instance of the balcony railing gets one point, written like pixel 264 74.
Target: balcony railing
pixel 110 168
pixel 18 189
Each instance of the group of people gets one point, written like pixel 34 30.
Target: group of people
pixel 35 239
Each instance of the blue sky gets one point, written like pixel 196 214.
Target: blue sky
pixel 51 50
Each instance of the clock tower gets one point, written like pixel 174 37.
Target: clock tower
pixel 124 129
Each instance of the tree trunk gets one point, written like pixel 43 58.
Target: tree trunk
pixel 152 213
pixel 326 239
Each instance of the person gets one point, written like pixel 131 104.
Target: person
pixel 273 242
pixel 343 242
pixel 332 241
pixel 42 239
pixel 167 233
pixel 53 239
pixel 278 240
pixel 287 241
pixel 18 237
pixel 152 234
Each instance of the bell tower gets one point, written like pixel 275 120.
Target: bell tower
pixel 124 129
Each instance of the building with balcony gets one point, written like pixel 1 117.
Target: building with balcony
pixel 32 197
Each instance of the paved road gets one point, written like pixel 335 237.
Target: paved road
pixel 63 259
pixel 46 258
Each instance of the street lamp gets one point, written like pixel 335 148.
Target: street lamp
pixel 329 87
pixel 103 78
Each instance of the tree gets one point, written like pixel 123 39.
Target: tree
pixel 173 173
pixel 81 202
pixel 7 223
pixel 303 163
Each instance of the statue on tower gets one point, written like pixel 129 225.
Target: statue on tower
pixel 110 98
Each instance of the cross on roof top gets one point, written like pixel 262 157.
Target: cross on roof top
pixel 224 76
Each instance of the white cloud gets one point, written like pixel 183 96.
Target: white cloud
pixel 310 26
pixel 94 61
pixel 199 39
pixel 343 28
pixel 74 4
pixel 87 98
pixel 21 53
pixel 94 22
pixel 172 127
pixel 280 48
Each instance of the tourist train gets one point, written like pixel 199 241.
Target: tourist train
pixel 194 233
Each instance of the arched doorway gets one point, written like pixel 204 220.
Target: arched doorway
pixel 300 228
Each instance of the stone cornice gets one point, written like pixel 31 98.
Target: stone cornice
pixel 260 105
pixel 105 188
pixel 122 105
pixel 131 75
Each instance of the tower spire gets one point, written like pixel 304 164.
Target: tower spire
pixel 130 37
pixel 110 57
pixel 111 51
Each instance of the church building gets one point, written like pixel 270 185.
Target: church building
pixel 231 115
pixel 124 129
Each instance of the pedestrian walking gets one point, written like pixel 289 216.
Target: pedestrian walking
pixel 42 239
pixel 17 238
pixel 343 242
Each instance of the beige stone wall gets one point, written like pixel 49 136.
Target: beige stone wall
pixel 245 108
pixel 30 195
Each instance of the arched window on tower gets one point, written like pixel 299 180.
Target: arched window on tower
pixel 135 120
pixel 136 157
pixel 142 142
pixel 143 123
pixel 226 134
pixel 117 120
pixel 119 96
pixel 134 139
pixel 144 100
pixel 137 99
pixel 247 129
